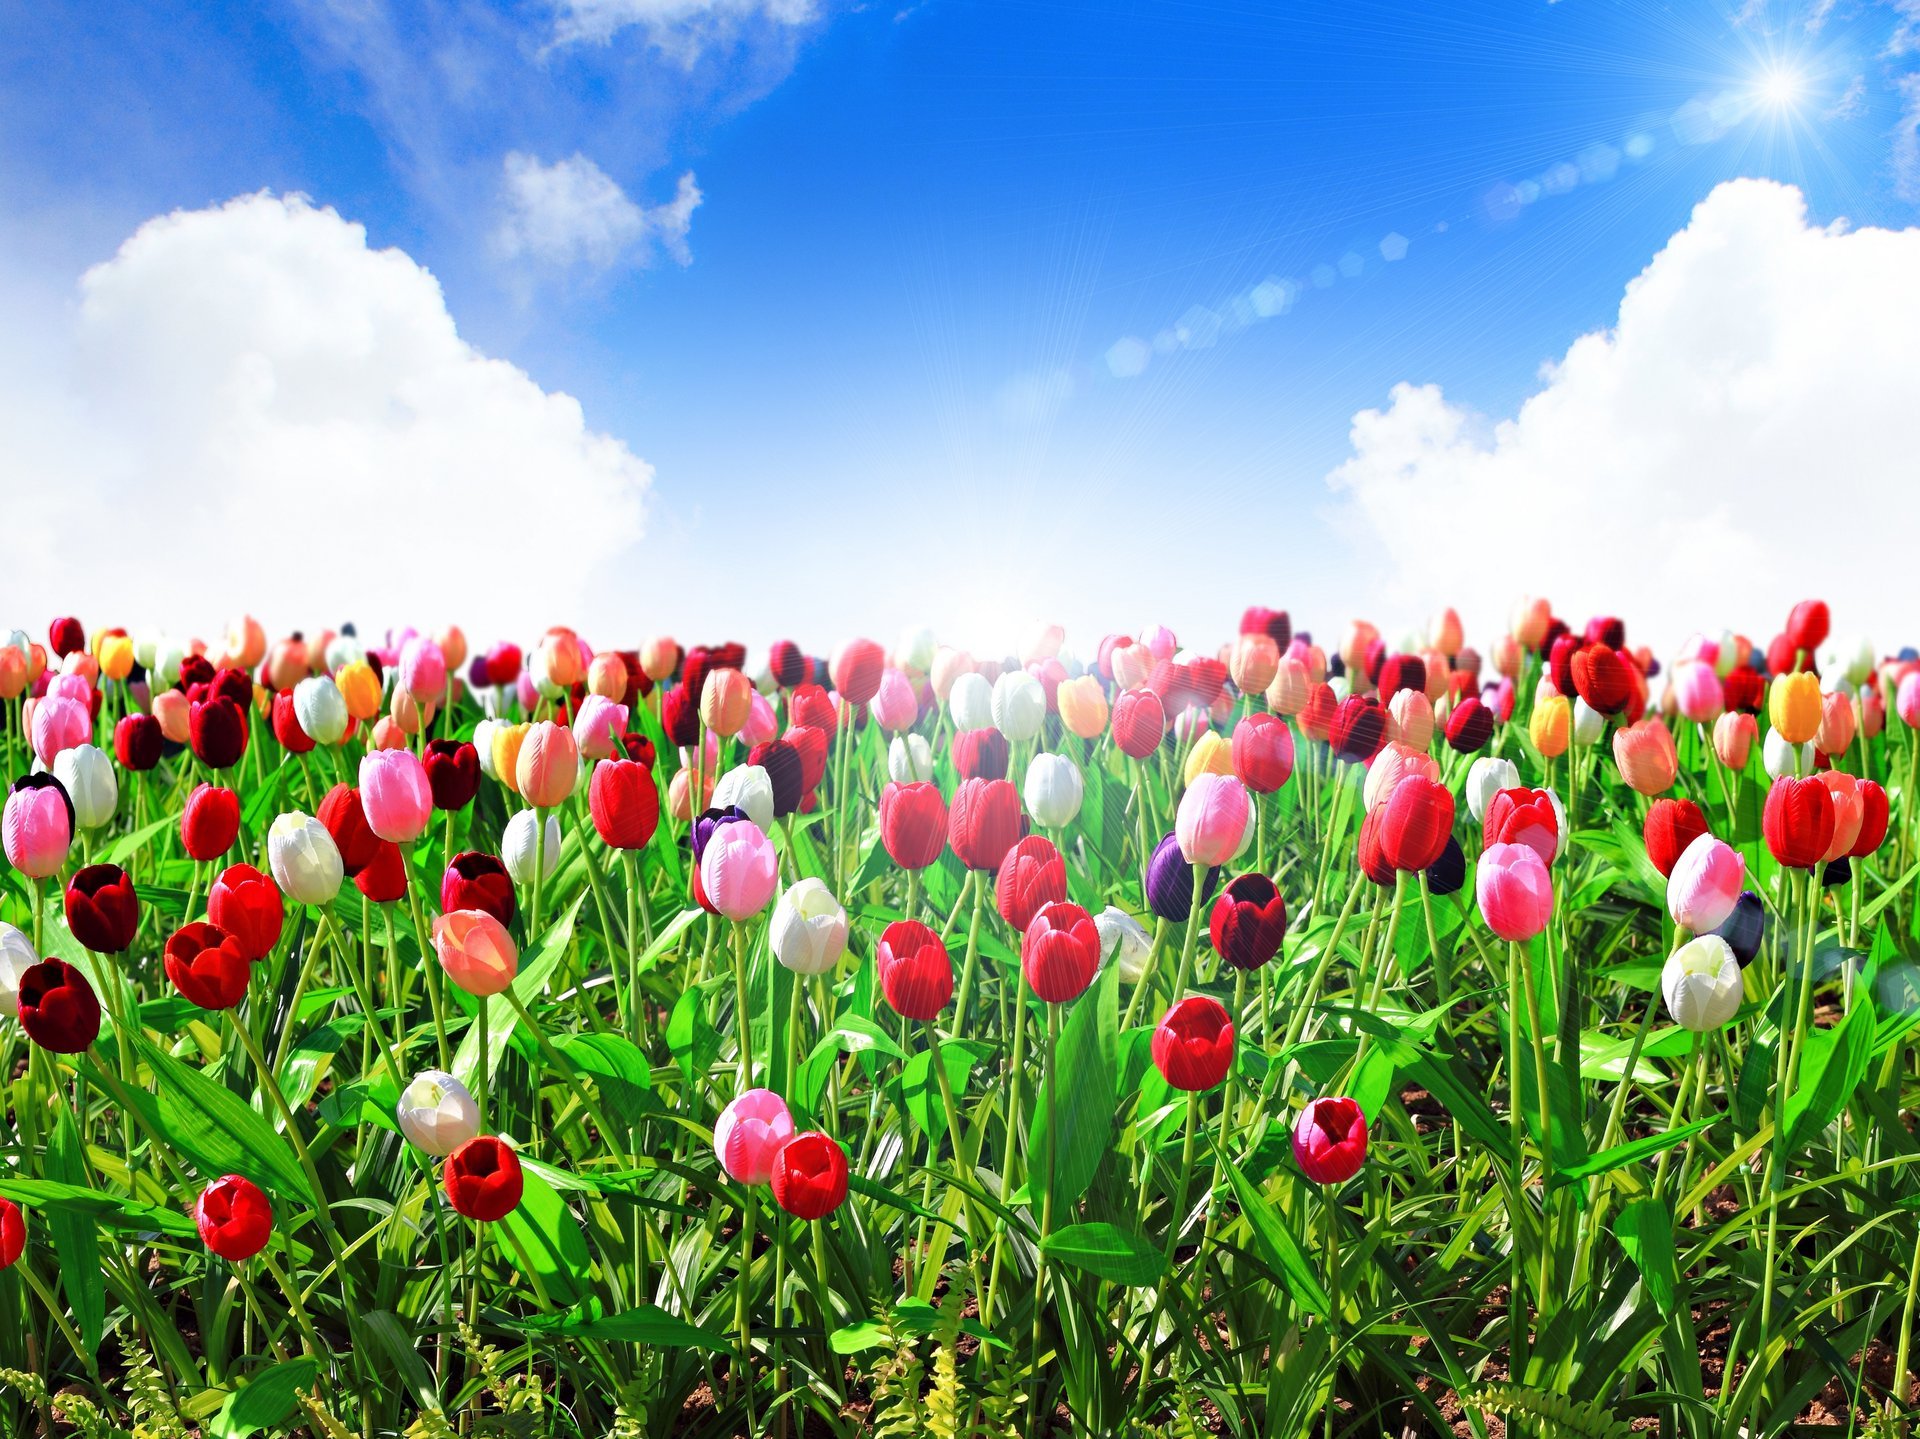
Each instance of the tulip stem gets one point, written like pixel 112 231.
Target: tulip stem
pixel 434 995
pixel 962 1012
pixel 742 1014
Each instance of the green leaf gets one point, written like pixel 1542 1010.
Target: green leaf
pixel 921 1091
pixel 644 1324
pixel 1280 1251
pixel 691 1037
pixel 1079 1095
pixel 265 1401
pixel 852 1034
pixel 128 1214
pixel 128 845
pixel 75 1236
pixel 500 1018
pixel 1632 1152
pixel 617 1065
pixel 216 1129
pixel 858 1338
pixel 1107 1250
pixel 1832 1064
pixel 545 1233
pixel 1436 1075
pixel 1645 1230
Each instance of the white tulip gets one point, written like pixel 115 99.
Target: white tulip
pixel 483 742
pixel 1341 686
pixel 1053 790
pixel 1701 982
pixel 17 639
pixel 808 930
pixel 168 655
pixel 304 859
pixel 343 650
pixel 146 644
pixel 517 845
pixel 16 958
pixel 437 1113
pixel 1485 779
pixel 749 787
pixel 970 702
pixel 320 709
pixel 1125 940
pixel 909 759
pixel 1019 705
pixel 87 775
pixel 1729 656
pixel 1783 758
pixel 1588 723
pixel 915 648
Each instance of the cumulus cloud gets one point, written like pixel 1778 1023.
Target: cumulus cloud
pixel 247 407
pixel 573 213
pixel 1744 434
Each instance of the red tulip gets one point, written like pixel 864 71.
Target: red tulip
pixel 1523 816
pixel 503 664
pixel 248 906
pixel 286 725
pixel 981 754
pixel 1031 876
pixel 384 881
pixel 812 746
pixel 13 1234
pixel 137 742
pixel 984 822
pixel 1601 677
pixel 1369 857
pixel 1807 627
pixel 913 823
pixel 453 773
pixel 1060 952
pixel 1248 922
pixel 1873 819
pixel 1415 821
pixel 1672 825
pixel 1316 715
pixel 1139 722
pixel 210 822
pixel 1330 1140
pixel 855 670
pixel 812 706
pixel 207 965
pixel 1193 1044
pixel 1274 624
pixel 1401 672
pixel 1358 729
pixel 58 1008
pixel 624 803
pixel 1797 821
pixel 233 1217
pixel 102 909
pixel 1470 726
pixel 483 1179
pixel 915 973
pixel 810 1175
pixel 1743 689
pixel 343 817
pixel 478 881
pixel 787 663
pixel 217 730
pixel 1262 752
pixel 65 635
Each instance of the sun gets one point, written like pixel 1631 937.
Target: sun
pixel 1781 86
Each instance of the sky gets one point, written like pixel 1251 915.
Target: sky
pixel 749 319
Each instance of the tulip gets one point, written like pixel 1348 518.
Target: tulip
pixel 1469 726
pixel 1836 724
pixel 1330 1140
pixel 13 1234
pixel 1601 677
pixel 1780 758
pixel 1288 689
pixel 102 910
pixel 504 743
pixel 1588 724
pixel 483 1179
pixel 809 747
pixel 1849 813
pixel 894 705
pixel 452 768
pixel 749 1134
pixel 557 664
pixel 1248 922
pixel 247 905
pixel 680 801
pixel 437 1113
pixel 808 931
pixel 1054 790
pixel 1646 756
pixel 725 701
pixel 1255 661
pixel 519 842
pixel 1211 822
pixel 207 965
pixel 1193 1044
pixel 423 670
pixel 1169 881
pixel 1873 819
pixel 87 776
pixel 739 870
pixel 809 1176
pixel 16 958
pixel 344 818
pixel 1701 984
pixel 983 822
pixel 915 973
pixel 1125 941
pixel 36 827
pixel 384 881
pixel 599 724
pixel 1672 825
pixel 1211 754
pixel 1793 706
pixel 395 795
pixel 1697 691
pixel 1798 822
pixel 1415 820
pixel 1139 722
pixel 478 881
pixel 1807 627
pixel 1733 737
pixel 476 951
pixel 1906 702
pixel 1083 706
pixel 1745 927
pixel 58 1008
pixel 1525 816
pixel 1032 876
pixel 1018 705
pixel 1550 726
pixel 233 1217
pixel 1515 891
pixel 547 766
pixel 1705 884
pixel 1358 729
pixel 171 709
pixel 1393 764
pixel 1486 777
pixel 304 859
pixel 1447 874
pixel 909 759
pixel 210 822
pixel 217 730
pixel 1060 952
pixel 747 788
pixel 137 740
pixel 855 670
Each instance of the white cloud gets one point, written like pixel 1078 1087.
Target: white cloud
pixel 677 26
pixel 1743 436
pixel 573 213
pixel 249 408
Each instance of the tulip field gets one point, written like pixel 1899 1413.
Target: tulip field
pixel 1260 1033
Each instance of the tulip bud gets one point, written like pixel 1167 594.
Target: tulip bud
pixel 739 870
pixel 437 1113
pixel 909 759
pixel 234 1218
pixel 808 931
pixel 1701 984
pixel 304 859
pixel 395 795
pixel 87 775
pixel 1083 706
pixel 1646 756
pixel 37 825
pixel 1733 736
pixel 476 951
pixel 1053 790
pixel 1212 819
pixel 1588 724
pixel 1514 890
pixel 1793 706
pixel 1781 758
pixel 1330 1140
pixel 1018 705
pixel 519 841
pixel 483 1179
pixel 1486 778
pixel 547 765
pixel 749 1133
pixel 809 1176
pixel 894 705
pixel 1704 885
pixel 16 958
pixel 1193 1043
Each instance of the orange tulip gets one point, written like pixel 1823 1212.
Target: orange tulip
pixel 607 677
pixel 1287 691
pixel 725 701
pixel 1411 716
pixel 1836 724
pixel 658 656
pixel 1646 756
pixel 1254 661
pixel 1083 706
pixel 360 687
pixel 548 764
pixel 507 741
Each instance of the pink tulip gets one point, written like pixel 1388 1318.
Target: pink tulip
pixel 1836 724
pixel 548 766
pixel 1412 715
pixel 476 951
pixel 59 723
pixel 1697 692
pixel 1646 756
pixel 68 686
pixel 395 794
pixel 894 706
pixel 1849 812
pixel 1330 1140
pixel 1131 664
pixel 1212 819
pixel 36 827
pixel 598 725
pixel 739 869
pixel 761 725
pixel 1393 764
pixel 750 1132
pixel 1734 735
pixel 423 670
pixel 1705 884
pixel 173 710
pixel 1159 642
pixel 1515 891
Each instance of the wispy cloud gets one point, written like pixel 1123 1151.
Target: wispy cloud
pixel 572 213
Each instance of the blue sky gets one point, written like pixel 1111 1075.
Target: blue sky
pixel 985 311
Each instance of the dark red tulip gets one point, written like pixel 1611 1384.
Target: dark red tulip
pixel 384 880
pixel 1358 730
pixel 1470 726
pixel 1873 819
pixel 1797 822
pixel 1060 952
pixel 1606 630
pixel 453 773
pixel 236 685
pixel 787 663
pixel 1602 678
pixel 217 729
pixel 478 881
pixel 1523 816
pixel 1560 662
pixel 340 812
pixel 1330 1140
pixel 58 1008
pixel 1743 689
pixel 1193 1044
pixel 1807 626
pixel 1139 722
pixel 786 772
pixel 812 706
pixel 703 660
pixel 810 1175
pixel 1672 825
pixel 207 965
pixel 137 742
pixel 102 910
pixel 210 822
pixel 914 970
pixel 1274 624
pixel 1248 922
pixel 1207 679
pixel 1032 875
pixel 637 747
pixel 913 823
pixel 981 754
pixel 1415 820
pixel 286 725
pixel 680 716
pixel 65 635
pixel 984 822
pixel 233 1217
pixel 248 905
pixel 812 746
pixel 13 1234
pixel 1402 672
pixel 1262 752
pixel 624 803
pixel 483 1179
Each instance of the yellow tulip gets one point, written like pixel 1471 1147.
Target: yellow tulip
pixel 1793 705
pixel 1551 726
pixel 360 687
pixel 507 739
pixel 1212 753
